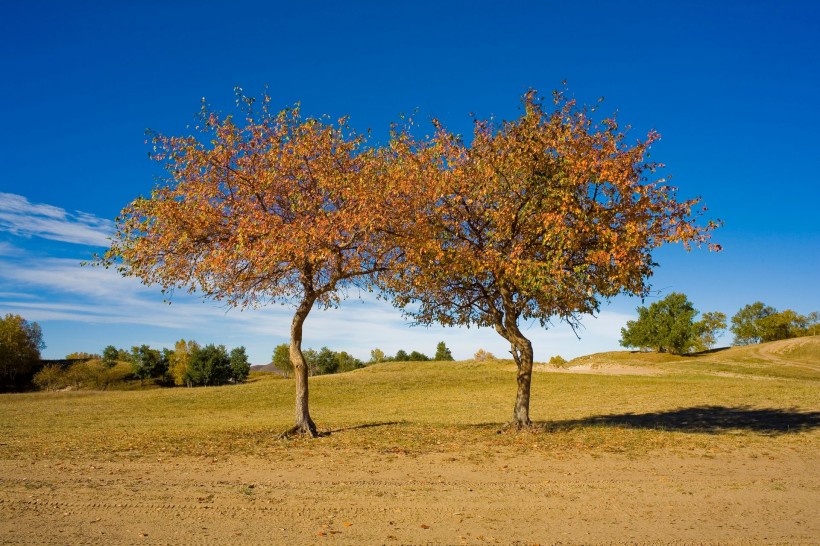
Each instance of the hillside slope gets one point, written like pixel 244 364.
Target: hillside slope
pixel 797 358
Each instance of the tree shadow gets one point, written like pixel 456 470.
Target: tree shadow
pixel 708 419
pixel 357 427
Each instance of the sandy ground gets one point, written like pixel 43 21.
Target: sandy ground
pixel 373 498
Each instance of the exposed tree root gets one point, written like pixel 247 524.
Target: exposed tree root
pixel 301 430
pixel 517 426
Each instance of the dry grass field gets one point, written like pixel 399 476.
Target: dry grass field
pixel 719 448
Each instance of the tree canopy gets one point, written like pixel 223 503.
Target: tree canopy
pixel 669 326
pixel 20 345
pixel 758 323
pixel 276 207
pixel 538 218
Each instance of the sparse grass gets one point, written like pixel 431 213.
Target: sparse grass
pixel 412 408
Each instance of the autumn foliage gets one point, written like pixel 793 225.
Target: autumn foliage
pixel 537 218
pixel 278 208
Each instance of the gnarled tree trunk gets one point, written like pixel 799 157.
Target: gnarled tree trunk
pixel 521 349
pixel 304 424
pixel 506 324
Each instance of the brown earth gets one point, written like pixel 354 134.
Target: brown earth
pixel 343 497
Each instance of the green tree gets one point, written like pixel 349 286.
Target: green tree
pixel 443 353
pixel 210 365
pixel 109 355
pixel 240 367
pixel 347 362
pixel 401 356
pixel 746 322
pixel 147 363
pixel 281 359
pixel 327 362
pixel 666 326
pixel 20 345
pixel 416 356
pixel 759 323
pixel 708 329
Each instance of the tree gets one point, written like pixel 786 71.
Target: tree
pixel 668 326
pixel 147 363
pixel 209 365
pixel 50 378
pixel 401 356
pixel 417 356
pixel 347 362
pixel 746 322
pixel 281 359
pixel 377 355
pixel 82 356
pixel 709 328
pixel 327 362
pixel 275 208
pixel 539 218
pixel 240 367
pixel 20 345
pixel 443 354
pixel 180 361
pixel 110 355
pixel 482 356
pixel 758 323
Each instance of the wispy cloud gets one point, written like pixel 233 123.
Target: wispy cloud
pixel 20 217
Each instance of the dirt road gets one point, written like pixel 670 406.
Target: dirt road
pixel 442 498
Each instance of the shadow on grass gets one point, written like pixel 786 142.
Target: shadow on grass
pixel 708 419
pixel 357 427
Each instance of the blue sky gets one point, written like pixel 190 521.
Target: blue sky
pixel 731 86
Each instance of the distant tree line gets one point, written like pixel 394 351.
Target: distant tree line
pixel 187 364
pixel 326 361
pixel 759 323
pixel 669 326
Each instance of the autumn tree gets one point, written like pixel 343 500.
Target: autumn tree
pixel 20 345
pixel 537 219
pixel 271 208
pixel 180 361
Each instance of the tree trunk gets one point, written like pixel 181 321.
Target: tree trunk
pixel 522 353
pixel 506 324
pixel 304 424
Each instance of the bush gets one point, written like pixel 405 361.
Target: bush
pixel 558 361
pixel 481 355
pixel 50 378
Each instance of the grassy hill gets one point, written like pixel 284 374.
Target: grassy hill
pixel 712 401
pixel 797 358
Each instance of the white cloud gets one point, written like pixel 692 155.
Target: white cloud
pixel 58 289
pixel 20 217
